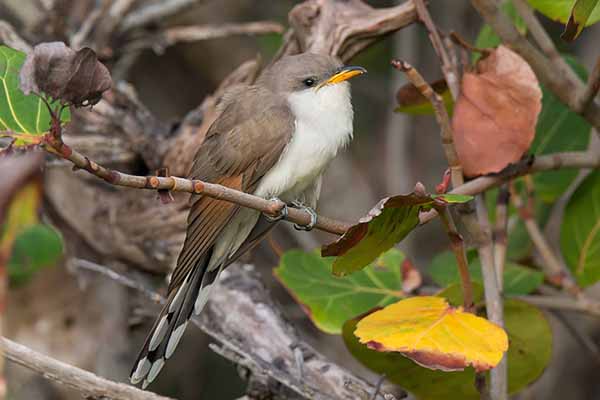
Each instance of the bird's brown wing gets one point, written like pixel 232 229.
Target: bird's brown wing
pixel 241 146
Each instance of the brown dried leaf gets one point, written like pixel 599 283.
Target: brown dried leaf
pixel 496 113
pixel 57 71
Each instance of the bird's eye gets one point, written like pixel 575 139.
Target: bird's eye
pixel 308 82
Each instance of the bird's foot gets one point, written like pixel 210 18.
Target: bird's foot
pixel 313 216
pixel 281 214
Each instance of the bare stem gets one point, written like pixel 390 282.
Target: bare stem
pixel 92 386
pixel 270 207
pixel 567 89
pixel 500 233
pixel 493 299
pixel 554 270
pixel 591 90
pixel 441 115
pixel 458 248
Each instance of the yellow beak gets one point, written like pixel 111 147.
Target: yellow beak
pixel 343 74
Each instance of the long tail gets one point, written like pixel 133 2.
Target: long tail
pixel 170 325
pixel 190 297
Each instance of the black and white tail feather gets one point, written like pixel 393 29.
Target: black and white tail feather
pixel 190 298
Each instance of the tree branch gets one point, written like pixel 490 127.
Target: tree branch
pixel 92 386
pixel 568 90
pixel 254 333
pixel 179 34
pixel 270 207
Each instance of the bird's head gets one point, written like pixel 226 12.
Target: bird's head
pixel 307 71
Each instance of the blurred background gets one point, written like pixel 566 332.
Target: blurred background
pixel 94 323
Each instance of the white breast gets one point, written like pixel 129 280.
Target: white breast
pixel 323 126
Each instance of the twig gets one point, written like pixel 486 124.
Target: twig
pixel 91 385
pixel 441 115
pixel 171 36
pixel 548 162
pixel 554 270
pixel 378 387
pixel 269 207
pixel 592 87
pixel 500 234
pixel 493 299
pixel 558 302
pixel 458 248
pixel 10 37
pixel 449 69
pixel 543 39
pixel 154 12
pixel 79 263
pixel 569 91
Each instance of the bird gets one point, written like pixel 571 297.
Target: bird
pixel 273 139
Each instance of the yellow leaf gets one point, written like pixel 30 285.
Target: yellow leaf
pixel 22 212
pixel 434 335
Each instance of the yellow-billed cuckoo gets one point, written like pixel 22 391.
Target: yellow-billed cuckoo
pixel 273 139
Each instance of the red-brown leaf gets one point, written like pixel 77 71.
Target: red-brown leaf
pixel 496 113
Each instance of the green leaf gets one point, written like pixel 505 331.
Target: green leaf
pixel 560 10
pixel 487 38
pixel 454 293
pixel 38 246
pixel 580 231
pixel 518 280
pixel 24 115
pixel 558 129
pixel 386 224
pixel 330 301
pixel 528 355
pixel 580 14
pixel 411 101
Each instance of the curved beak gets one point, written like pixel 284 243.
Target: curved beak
pixel 343 74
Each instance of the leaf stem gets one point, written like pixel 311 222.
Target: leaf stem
pixel 458 248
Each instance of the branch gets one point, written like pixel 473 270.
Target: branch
pixel 543 39
pixel 500 234
pixel 554 270
pixel 568 90
pixel 441 115
pixel 55 146
pixel 458 248
pixel 171 36
pixel 92 386
pixel 582 305
pixel 254 333
pixel 592 88
pixel 154 12
pixel 493 300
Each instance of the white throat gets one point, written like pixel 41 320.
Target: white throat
pixel 323 126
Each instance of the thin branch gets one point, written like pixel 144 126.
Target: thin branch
pixel 55 146
pixel 554 270
pixel 186 34
pixel 448 68
pixel 548 162
pixel 580 304
pixel 500 234
pixel 458 248
pixel 543 39
pixel 493 299
pixel 154 12
pixel 568 90
pixel 592 88
pixel 441 115
pixel 92 386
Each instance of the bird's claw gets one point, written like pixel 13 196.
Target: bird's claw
pixel 283 212
pixel 313 217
